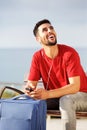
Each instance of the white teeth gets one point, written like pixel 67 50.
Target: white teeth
pixel 51 36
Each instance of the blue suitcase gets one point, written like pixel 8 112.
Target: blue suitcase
pixel 22 113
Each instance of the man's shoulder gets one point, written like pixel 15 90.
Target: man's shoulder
pixel 38 53
pixel 65 47
pixel 67 52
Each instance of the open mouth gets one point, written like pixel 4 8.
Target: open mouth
pixel 51 37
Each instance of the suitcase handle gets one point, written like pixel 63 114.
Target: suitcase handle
pixel 2 89
pixel 22 96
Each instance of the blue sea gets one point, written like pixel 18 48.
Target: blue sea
pixel 15 63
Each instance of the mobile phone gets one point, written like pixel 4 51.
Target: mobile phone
pixel 29 89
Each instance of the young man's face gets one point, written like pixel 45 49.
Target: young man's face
pixel 46 35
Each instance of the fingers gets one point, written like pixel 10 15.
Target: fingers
pixel 37 93
pixel 28 88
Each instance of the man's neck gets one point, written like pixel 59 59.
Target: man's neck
pixel 51 51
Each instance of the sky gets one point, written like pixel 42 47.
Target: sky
pixel 18 17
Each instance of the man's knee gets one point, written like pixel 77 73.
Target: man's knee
pixel 66 102
pixel 67 108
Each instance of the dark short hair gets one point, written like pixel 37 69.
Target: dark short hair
pixel 38 24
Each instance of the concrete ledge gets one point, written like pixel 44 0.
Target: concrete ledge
pixel 56 113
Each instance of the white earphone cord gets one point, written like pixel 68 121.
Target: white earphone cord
pixel 49 75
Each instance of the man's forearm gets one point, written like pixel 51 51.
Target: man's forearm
pixel 68 89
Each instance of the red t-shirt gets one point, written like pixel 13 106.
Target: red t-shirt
pixel 56 72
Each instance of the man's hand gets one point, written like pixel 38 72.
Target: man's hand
pixel 39 93
pixel 30 86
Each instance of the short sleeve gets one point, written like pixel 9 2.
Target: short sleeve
pixel 73 65
pixel 34 73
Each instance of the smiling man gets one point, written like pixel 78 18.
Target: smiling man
pixel 64 80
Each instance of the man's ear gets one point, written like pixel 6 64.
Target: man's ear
pixel 38 38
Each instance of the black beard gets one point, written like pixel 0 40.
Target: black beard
pixel 51 43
